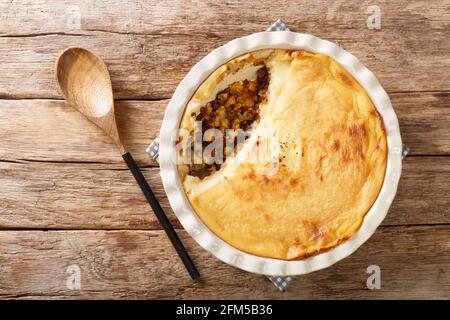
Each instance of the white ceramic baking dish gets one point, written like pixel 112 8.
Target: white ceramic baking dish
pixel 173 186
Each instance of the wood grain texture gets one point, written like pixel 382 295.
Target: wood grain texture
pixel 420 127
pixel 149 46
pixel 176 16
pixel 142 264
pixel 75 185
pixel 49 130
pixel 96 196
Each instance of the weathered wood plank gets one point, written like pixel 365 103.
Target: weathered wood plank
pixel 73 196
pixel 175 16
pixel 96 196
pixel 49 130
pixel 142 264
pixel 149 46
pixel 418 114
pixel 423 192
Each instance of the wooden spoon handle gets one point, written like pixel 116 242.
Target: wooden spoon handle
pixel 162 218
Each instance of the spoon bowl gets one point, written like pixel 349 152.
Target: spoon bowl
pixel 84 81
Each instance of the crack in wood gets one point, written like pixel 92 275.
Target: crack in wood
pixel 157 229
pixel 44 34
pixel 167 98
pixel 87 32
pixel 25 161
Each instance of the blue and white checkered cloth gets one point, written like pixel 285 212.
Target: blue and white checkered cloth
pixel 153 151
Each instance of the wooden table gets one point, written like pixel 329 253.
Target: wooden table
pixel 67 200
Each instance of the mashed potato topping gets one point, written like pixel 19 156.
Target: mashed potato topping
pixel 327 138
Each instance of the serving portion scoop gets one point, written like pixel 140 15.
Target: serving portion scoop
pixel 84 80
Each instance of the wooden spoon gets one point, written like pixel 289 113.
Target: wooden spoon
pixel 84 80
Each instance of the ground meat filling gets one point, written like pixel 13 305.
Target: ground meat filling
pixel 236 107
